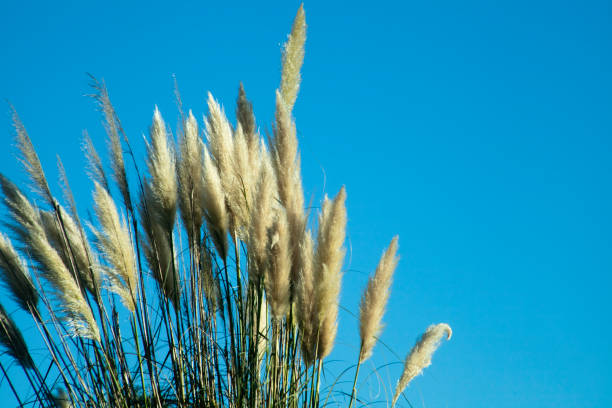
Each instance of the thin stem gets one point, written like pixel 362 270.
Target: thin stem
pixel 355 383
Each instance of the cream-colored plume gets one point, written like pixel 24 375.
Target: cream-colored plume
pixel 12 340
pixel 113 128
pixel 306 299
pixel 71 246
pixel 220 140
pixel 262 218
pixel 293 57
pixel 77 312
pixel 115 245
pixel 31 162
pixel 189 169
pixel 163 185
pixel 420 355
pixel 255 146
pixel 15 275
pixel 374 301
pixel 287 166
pixel 246 118
pixel 74 308
pixel 22 212
pixel 240 191
pixel 214 206
pixel 159 249
pixel 328 260
pixel 230 152
pixel 285 146
pixel 94 163
pixel 278 273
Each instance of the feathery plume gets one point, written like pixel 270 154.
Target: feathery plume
pixel 293 57
pixel 305 299
pixel 262 217
pixel 278 272
pixel 231 156
pixel 374 301
pixel 328 260
pixel 189 170
pixel 158 249
pixel 214 205
pixel 286 157
pixel 240 191
pixel 22 212
pixel 112 127
pixel 15 276
pixel 420 355
pixel 246 118
pixel 113 241
pixel 76 311
pixel 286 162
pixel 220 140
pixel 163 186
pixel 12 339
pixel 255 146
pixel 71 246
pixel 31 162
pixel 94 164
pixel 287 167
pixel 27 225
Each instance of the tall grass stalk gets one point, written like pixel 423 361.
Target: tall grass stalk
pixel 204 283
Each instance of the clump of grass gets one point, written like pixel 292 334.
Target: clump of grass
pixel 231 303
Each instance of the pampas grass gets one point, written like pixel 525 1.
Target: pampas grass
pixel 328 260
pixel 374 301
pixel 233 303
pixel 114 244
pixel 163 184
pixel 15 275
pixel 12 340
pixel 189 172
pixel 420 355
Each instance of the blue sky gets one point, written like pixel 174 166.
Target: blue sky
pixel 478 131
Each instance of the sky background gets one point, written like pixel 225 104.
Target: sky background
pixel 478 131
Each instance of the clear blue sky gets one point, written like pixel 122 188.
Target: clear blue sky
pixel 480 132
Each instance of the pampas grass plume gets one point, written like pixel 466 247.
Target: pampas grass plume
pixel 12 340
pixel 214 205
pixel 293 57
pixel 374 301
pixel 420 355
pixel 162 170
pixel 262 217
pixel 278 273
pixel 113 240
pixel 329 257
pixel 305 298
pixel 14 274
pixel 27 225
pixel 189 170
pixel 95 168
pixel 220 140
pixel 112 130
pixel 159 249
pixel 30 160
pixel 71 246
